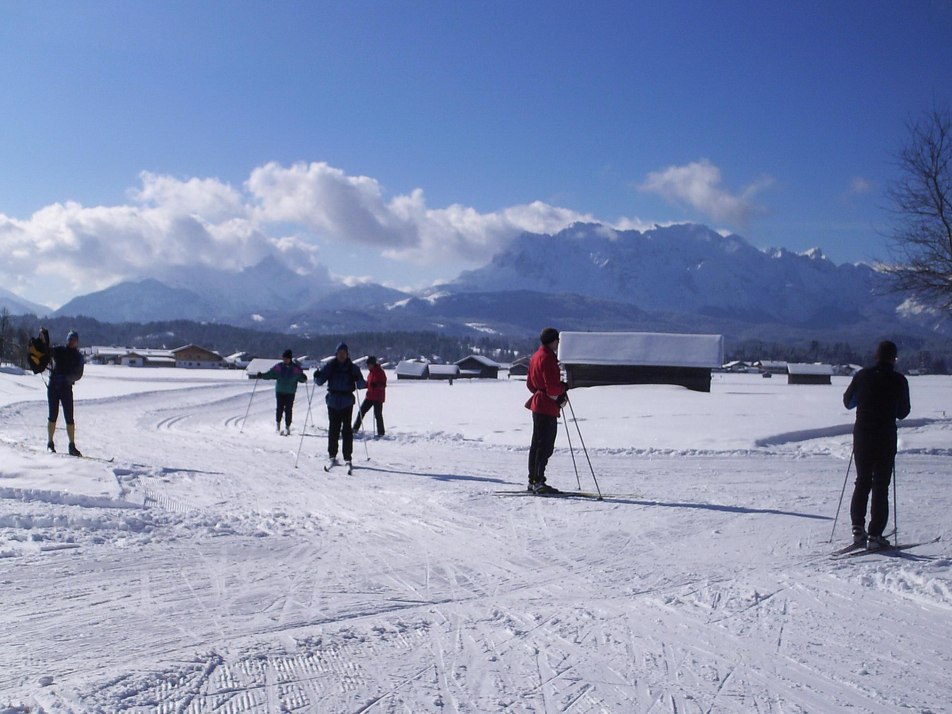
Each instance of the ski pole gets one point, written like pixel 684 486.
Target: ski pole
pixel 582 441
pixel 360 411
pixel 840 504
pixel 242 429
pixel 895 507
pixel 306 418
pixel 568 434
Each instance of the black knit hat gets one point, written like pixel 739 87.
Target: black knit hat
pixel 549 334
pixel 287 354
pixel 886 351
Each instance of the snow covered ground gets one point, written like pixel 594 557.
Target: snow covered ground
pixel 200 571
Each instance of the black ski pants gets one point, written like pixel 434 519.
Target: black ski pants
pixel 365 407
pixel 339 424
pixel 285 407
pixel 875 455
pixel 57 393
pixel 544 430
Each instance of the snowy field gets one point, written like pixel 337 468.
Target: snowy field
pixel 200 571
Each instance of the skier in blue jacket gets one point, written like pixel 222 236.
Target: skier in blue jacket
pixel 342 377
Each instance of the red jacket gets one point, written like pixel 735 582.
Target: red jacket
pixel 377 384
pixel 545 382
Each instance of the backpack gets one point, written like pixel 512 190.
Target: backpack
pixel 38 352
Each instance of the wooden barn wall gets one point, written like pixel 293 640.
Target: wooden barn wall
pixel 588 375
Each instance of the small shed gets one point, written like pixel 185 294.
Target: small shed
pixel 444 371
pixel 412 369
pixel 478 366
pixel 803 373
pixel 592 359
pixel 520 368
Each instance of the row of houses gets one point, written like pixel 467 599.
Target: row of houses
pixel 185 357
pixel 472 367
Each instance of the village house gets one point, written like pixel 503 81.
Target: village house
pixel 477 366
pixel 413 369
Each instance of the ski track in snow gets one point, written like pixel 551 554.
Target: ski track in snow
pixel 202 572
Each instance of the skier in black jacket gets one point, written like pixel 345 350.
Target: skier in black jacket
pixel 68 365
pixel 880 395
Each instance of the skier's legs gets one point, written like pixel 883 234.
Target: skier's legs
pixel 346 415
pixel 879 492
pixel 864 482
pixel 333 431
pixel 288 410
pixel 364 406
pixel 278 408
pixel 378 417
pixel 52 398
pixel 544 430
pixel 66 397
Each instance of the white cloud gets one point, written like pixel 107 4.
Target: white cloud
pixel 859 186
pixel 698 185
pixel 292 212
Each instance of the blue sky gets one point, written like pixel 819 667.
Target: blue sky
pixel 405 141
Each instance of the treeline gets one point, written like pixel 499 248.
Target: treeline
pixel 227 339
pixel 915 354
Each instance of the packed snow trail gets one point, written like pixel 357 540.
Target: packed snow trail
pixel 201 572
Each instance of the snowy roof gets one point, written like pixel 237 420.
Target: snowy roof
pixel 807 368
pixel 641 348
pixel 412 368
pixel 444 370
pixel 261 364
pixel 478 358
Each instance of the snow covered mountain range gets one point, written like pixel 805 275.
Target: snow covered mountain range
pixel 684 277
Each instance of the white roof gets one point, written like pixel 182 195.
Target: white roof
pixel 479 358
pixel 261 364
pixel 807 368
pixel 655 349
pixel 444 369
pixel 410 367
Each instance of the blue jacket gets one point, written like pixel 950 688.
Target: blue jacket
pixel 342 378
pixel 68 365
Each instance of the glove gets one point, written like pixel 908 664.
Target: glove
pixel 563 398
pixel 259 375
pixel 305 376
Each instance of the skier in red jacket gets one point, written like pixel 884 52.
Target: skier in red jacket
pixel 376 396
pixel 548 396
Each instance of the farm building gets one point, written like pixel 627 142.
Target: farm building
pixel 478 366
pixel 411 369
pixel 444 371
pixel 593 359
pixel 520 368
pixel 800 373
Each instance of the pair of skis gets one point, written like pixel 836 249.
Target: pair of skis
pixel 855 550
